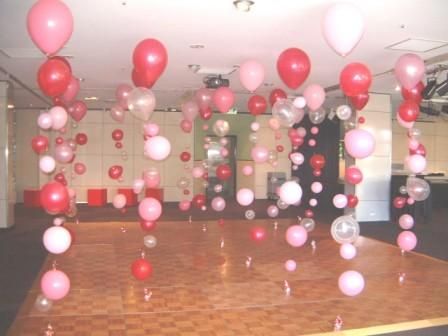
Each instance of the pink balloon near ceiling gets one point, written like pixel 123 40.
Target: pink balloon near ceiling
pixel 50 25
pixel 251 75
pixel 409 70
pixel 343 27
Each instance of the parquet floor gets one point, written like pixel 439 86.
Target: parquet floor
pixel 201 285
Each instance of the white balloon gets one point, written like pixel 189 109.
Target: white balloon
pixel 157 148
pixel 290 192
pixel 47 164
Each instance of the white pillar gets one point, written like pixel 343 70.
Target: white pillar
pixel 7 192
pixel 374 191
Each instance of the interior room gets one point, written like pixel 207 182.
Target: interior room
pixel 227 167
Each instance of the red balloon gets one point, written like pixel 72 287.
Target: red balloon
pixel 409 111
pixel 77 110
pixel 309 213
pixel 355 79
pixel 141 269
pixel 39 143
pixel 399 202
pixel 280 148
pixel 317 161
pixel 317 172
pixel 150 55
pixel 58 101
pixel 293 66
pixel 185 156
pixel 360 101
pixel 352 201
pixel 118 145
pixel 361 120
pixel 115 172
pixel 143 78
pixel 353 175
pixel 53 77
pixel 415 94
pixel 60 177
pixel 296 141
pixel 59 140
pixel 198 200
pixel 421 150
pixel 81 138
pixel 258 233
pixel 223 172
pixel 257 105
pixel 275 95
pixel 117 134
pixel 54 198
pixel 147 225
pixel 62 59
pixel 205 112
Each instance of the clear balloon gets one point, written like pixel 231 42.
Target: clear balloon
pixel 317 117
pixel 345 229
pixel 417 188
pixel 150 241
pixel 286 113
pixel 344 112
pixel 249 214
pixel 253 138
pixel 221 128
pixel 308 223
pixel 43 304
pixel 183 183
pixel 141 103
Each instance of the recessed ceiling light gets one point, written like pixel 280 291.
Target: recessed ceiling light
pixel 91 98
pixel 397 88
pixel 11 106
pixel 243 5
pixel 197 46
pixel 81 79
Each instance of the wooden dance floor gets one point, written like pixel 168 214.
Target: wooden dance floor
pixel 201 285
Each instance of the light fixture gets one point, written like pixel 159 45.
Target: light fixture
pixel 194 67
pixel 11 106
pixel 243 5
pixel 397 88
pixel 442 88
pixel 430 88
pixel 91 98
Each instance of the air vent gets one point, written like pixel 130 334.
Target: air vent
pixel 417 45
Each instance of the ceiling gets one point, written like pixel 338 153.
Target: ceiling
pixel 106 32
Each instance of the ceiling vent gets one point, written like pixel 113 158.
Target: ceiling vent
pixel 417 45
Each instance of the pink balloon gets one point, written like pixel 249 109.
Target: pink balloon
pixel 138 185
pixel 297 158
pixel 197 172
pixel 184 205
pixel 407 240
pixel 296 235
pixel 290 192
pixel 248 170
pixel 79 168
pixel 251 75
pixel 119 201
pixel 259 154
pixel 117 113
pixel 59 117
pixel 255 126
pixel 351 283
pixel 50 25
pixel 340 201
pixel 406 221
pixel 72 90
pixel 63 153
pixel 245 196
pixel 223 98
pixel 272 211
pixel 299 102
pixel 343 27
pixel 157 148
pixel 274 124
pixel 186 126
pixel 359 143
pixel 150 209
pixel 409 70
pixel 77 110
pixel 416 163
pixel 57 221
pixel 122 94
pixel 47 164
pixel 44 121
pixel 151 177
pixel 55 284
pixel 347 251
pixel 151 129
pixel 190 110
pixel 218 203
pixel 203 97
pixel 290 265
pixel 315 96
pixel 316 187
pixel 224 152
pixel 57 239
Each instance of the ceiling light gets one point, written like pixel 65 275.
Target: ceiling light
pixel 11 106
pixel 194 67
pixel 91 98
pixel 243 5
pixel 397 88
pixel 430 88
pixel 442 88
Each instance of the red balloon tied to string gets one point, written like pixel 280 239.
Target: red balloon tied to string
pixel 54 198
pixel 293 66
pixel 39 143
pixel 399 202
pixel 141 269
pixel 355 79
pixel 360 100
pixel 115 172
pixel 54 77
pixel 147 225
pixel 150 55
pixel 198 201
pixel 117 134
pixel 185 156
pixel 258 233
pixel 317 161
pixel 409 111
pixel 414 94
pixel 352 201
pixel 223 172
pixel 257 105
pixel 143 78
pixel 81 139
pixel 275 95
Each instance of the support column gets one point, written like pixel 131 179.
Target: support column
pixel 374 191
pixel 7 190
